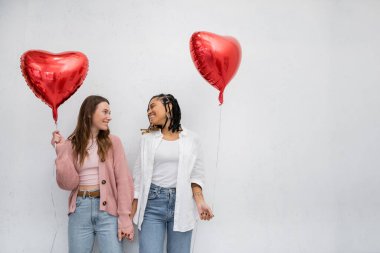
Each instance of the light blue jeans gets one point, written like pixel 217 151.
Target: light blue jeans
pixel 158 221
pixel 87 222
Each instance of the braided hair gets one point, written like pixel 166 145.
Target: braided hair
pixel 174 113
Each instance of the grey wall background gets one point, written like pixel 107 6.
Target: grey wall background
pixel 299 149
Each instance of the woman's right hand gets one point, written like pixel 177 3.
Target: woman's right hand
pixel 56 138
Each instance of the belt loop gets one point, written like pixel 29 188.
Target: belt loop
pixel 159 189
pixel 84 194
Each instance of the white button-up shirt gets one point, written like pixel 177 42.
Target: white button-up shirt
pixel 190 170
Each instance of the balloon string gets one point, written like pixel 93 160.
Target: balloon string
pixel 194 237
pixel 217 158
pixel 55 212
pixel 53 203
pixel 214 186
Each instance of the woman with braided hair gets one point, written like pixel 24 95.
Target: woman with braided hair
pixel 168 178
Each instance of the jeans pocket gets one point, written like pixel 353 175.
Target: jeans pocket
pixel 153 194
pixel 78 201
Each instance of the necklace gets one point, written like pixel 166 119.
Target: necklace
pixel 93 142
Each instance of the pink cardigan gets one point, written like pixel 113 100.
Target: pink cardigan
pixel 115 180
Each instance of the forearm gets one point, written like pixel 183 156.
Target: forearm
pixel 125 197
pixel 124 183
pixel 197 193
pixel 66 173
pixel 134 207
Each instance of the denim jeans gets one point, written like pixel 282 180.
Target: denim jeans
pixel 158 221
pixel 87 222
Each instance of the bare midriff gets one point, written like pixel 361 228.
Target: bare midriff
pixel 89 187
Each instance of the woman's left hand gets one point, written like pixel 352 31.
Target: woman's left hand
pixel 204 211
pixel 126 233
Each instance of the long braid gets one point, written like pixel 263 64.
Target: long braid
pixel 175 123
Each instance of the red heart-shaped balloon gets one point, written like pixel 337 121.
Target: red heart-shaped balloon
pixel 216 57
pixel 54 77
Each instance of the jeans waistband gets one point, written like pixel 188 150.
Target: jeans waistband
pixel 157 188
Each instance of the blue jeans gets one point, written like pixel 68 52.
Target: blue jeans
pixel 88 221
pixel 158 221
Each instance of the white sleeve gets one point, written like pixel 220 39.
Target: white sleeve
pixel 198 172
pixel 137 172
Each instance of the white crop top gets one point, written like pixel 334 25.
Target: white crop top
pixel 165 167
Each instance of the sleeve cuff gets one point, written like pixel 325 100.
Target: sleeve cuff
pixel 198 182
pixel 61 148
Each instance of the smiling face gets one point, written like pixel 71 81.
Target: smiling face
pixel 156 112
pixel 101 117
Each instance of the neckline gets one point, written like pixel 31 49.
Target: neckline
pixel 170 140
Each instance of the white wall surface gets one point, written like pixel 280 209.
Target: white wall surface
pixel 299 149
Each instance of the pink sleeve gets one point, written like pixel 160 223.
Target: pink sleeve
pixel 67 175
pixel 124 181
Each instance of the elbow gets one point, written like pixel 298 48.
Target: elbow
pixel 67 185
